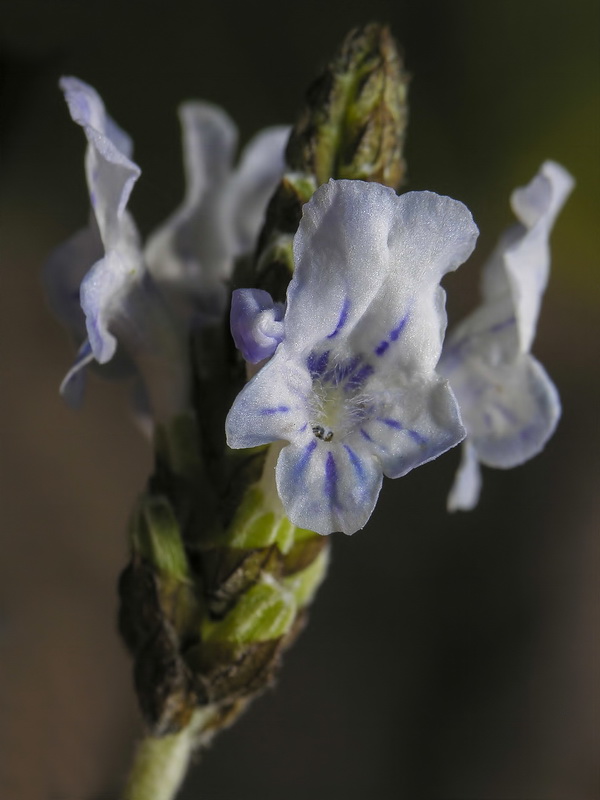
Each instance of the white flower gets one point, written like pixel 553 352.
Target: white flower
pixel 508 404
pixel 108 291
pixel 192 254
pixel 352 385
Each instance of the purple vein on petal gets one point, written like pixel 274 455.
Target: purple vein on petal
pixel 356 463
pixel 342 320
pixel 366 436
pixel 508 415
pixel 391 423
pixel 358 378
pixel 331 480
pixel 317 363
pixel 395 333
pixel 417 437
pixel 265 412
pixel 340 372
pixel 384 344
pixel 304 459
pixel 500 326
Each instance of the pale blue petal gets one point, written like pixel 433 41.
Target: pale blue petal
pixel 252 185
pixel 466 488
pixel 404 327
pixel 522 258
pixel 86 108
pixel 341 260
pixel 104 291
pixel 72 387
pixel 110 172
pixel 489 334
pixel 256 324
pixel 190 251
pixel 119 300
pixel 368 266
pixel 62 275
pixel 111 176
pixel 327 488
pixel 510 410
pixel 272 406
pixel 409 425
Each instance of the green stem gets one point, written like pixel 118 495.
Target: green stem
pixel 161 762
pixel 159 766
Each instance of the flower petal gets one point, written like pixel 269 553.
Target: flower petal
pixel 256 324
pixel 190 251
pixel 73 385
pixel 510 410
pixel 111 176
pixel 325 488
pixel 342 259
pixel 466 489
pixel 118 297
pixel 404 326
pixel 488 334
pixel 368 266
pixel 110 172
pixel 271 406
pixel 522 259
pixel 62 275
pixel 409 425
pixel 251 186
pixel 104 291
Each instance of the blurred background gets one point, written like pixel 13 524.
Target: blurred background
pixel 448 657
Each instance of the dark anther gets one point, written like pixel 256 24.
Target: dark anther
pixel 320 433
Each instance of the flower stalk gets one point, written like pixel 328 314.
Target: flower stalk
pixel 220 580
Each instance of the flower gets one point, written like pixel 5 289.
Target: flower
pixel 108 291
pixel 193 252
pixel 351 387
pixel 508 404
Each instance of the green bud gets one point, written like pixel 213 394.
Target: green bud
pixel 354 122
pixel 159 610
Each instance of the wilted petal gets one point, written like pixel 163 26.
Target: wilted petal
pixel 256 324
pixel 325 488
pixel 466 488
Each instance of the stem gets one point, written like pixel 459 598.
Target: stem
pixel 160 763
pixel 159 767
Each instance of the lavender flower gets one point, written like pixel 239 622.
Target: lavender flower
pixel 108 291
pixel 351 387
pixel 508 404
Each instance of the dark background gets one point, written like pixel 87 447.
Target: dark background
pixel 449 657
